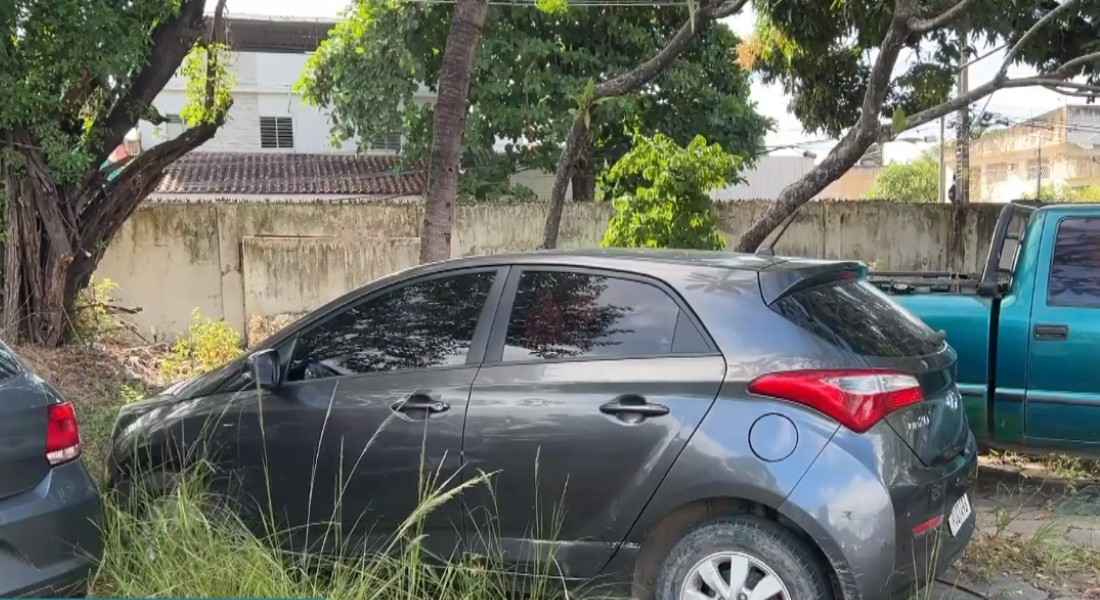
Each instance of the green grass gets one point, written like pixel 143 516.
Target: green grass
pixel 176 549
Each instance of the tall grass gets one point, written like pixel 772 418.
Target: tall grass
pixel 176 545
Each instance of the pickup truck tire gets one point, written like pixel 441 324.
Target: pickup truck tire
pixel 734 541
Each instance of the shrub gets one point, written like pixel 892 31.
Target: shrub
pixel 660 193
pixel 93 316
pixel 208 345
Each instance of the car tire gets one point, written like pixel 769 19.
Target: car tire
pixel 135 495
pixel 749 540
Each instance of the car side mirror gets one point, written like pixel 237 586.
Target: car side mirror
pixel 265 369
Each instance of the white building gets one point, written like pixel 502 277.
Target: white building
pixel 274 144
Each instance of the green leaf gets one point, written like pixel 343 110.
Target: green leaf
pixel 898 120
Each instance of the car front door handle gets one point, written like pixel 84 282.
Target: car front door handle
pixel 1051 331
pixel 641 409
pixel 420 405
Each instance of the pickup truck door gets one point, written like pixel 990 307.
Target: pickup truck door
pixel 1063 383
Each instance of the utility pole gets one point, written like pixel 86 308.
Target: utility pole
pixel 943 170
pixel 962 130
pixel 1039 172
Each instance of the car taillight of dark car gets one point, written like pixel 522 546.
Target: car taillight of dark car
pixel 62 434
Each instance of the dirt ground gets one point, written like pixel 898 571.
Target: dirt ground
pixel 1038 532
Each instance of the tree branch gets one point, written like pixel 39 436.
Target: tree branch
pixel 172 40
pixel 1010 57
pixel 960 102
pixel 116 201
pixel 917 25
pixel 217 34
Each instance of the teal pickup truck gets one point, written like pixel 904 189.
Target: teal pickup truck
pixel 1026 329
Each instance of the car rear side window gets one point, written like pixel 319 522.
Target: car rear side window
pixel 1075 270
pixel 855 316
pixel 561 314
pixel 9 365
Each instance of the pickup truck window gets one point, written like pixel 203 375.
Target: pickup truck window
pixel 1075 269
pixel 857 317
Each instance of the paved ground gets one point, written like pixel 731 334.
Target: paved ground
pixel 1014 507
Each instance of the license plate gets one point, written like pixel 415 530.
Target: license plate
pixel 959 513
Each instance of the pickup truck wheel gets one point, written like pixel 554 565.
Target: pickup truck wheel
pixel 741 558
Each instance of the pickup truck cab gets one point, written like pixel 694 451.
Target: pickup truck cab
pixel 1026 329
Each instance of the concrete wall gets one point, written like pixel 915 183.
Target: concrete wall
pixel 243 260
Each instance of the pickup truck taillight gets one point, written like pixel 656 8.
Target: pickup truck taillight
pixel 856 398
pixel 62 434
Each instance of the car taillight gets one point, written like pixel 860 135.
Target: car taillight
pixel 856 398
pixel 62 434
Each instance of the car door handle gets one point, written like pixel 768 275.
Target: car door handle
pixel 641 409
pixel 1051 331
pixel 419 403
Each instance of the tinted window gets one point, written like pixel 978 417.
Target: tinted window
pixel 1075 270
pixel 9 365
pixel 579 315
pixel 857 317
pixel 421 325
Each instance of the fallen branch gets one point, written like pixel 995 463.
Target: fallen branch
pixel 111 308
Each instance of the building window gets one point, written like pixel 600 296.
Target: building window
pixel 276 132
pixel 998 173
pixel 1034 171
pixel 173 126
pixel 390 141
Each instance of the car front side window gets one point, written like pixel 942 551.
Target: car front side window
pixel 420 325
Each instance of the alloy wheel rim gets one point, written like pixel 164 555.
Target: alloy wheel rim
pixel 732 576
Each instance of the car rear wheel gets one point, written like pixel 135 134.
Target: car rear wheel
pixel 741 558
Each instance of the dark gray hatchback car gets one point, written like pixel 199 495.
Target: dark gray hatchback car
pixel 683 425
pixel 49 505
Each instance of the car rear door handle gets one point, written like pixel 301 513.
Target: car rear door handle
pixel 633 405
pixel 420 405
pixel 1051 331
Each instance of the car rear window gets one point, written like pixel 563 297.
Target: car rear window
pixel 855 316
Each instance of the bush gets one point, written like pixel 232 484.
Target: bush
pixel 93 316
pixel 208 345
pixel 660 193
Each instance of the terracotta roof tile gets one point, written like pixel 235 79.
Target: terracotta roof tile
pixel 291 174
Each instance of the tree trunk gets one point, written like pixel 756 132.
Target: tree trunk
pixel 450 121
pixel 841 158
pixel 584 173
pixel 56 234
pixel 626 83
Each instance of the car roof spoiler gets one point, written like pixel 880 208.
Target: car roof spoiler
pixel 785 278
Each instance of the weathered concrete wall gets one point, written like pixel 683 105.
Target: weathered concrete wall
pixel 237 261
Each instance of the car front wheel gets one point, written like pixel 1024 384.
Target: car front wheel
pixel 741 558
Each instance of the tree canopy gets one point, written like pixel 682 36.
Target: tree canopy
pixel 75 77
pixel 866 70
pixel 531 65
pixel 912 181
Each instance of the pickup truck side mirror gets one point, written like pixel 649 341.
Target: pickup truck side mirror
pixel 264 366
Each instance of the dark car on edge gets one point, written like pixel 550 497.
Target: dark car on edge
pixel 694 424
pixel 49 505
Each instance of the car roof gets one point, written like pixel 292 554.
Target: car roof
pixel 631 259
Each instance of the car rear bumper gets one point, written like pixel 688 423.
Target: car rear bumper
pixel 50 538
pixel 862 514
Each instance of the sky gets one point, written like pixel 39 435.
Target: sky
pixel 1016 104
